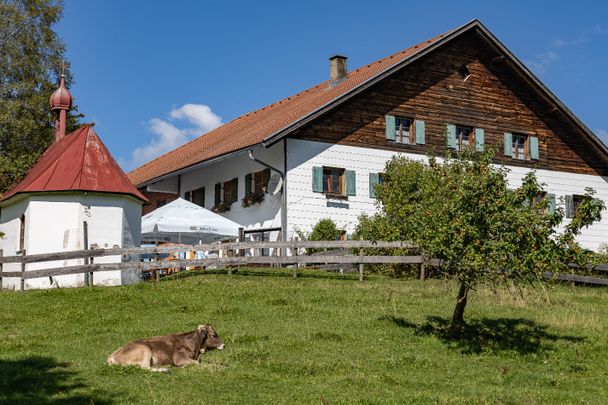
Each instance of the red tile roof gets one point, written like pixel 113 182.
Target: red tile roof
pixel 78 162
pixel 253 128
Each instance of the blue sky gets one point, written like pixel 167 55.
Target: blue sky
pixel 153 74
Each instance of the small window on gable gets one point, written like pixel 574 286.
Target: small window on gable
pixel 521 147
pixel 464 72
pixel 404 131
pixel 464 137
pixel 333 181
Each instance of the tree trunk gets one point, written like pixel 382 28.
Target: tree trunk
pixel 458 317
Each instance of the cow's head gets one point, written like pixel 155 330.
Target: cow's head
pixel 211 340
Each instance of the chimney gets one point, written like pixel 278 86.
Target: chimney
pixel 337 68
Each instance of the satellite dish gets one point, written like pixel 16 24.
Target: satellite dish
pixel 275 183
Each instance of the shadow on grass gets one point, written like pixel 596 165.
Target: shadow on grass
pixel 43 380
pixel 519 335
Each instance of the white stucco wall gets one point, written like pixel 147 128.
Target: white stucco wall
pixel 305 208
pixel 54 223
pixel 264 215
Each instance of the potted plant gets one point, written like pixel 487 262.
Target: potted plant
pixel 252 199
pixel 220 208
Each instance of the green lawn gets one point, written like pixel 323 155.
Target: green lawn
pixel 318 338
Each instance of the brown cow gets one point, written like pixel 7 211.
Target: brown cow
pixel 172 350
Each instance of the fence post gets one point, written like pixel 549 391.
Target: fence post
pixel 22 284
pixel 1 254
pixel 423 269
pixel 294 252
pixel 90 272
pixel 157 271
pixel 360 264
pixel 85 236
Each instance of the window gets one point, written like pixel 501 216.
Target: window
pixel 226 192
pixel 538 198
pixel 404 131
pixel 230 191
pixel 256 183
pixel 374 180
pixel 22 233
pixel 464 137
pixel 576 202
pixel 196 196
pixel 333 181
pixel 520 147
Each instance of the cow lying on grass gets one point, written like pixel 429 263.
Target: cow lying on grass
pixel 172 350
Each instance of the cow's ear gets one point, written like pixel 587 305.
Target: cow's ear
pixel 203 329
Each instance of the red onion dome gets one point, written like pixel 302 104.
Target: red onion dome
pixel 61 99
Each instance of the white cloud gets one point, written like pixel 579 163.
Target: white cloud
pixel 541 62
pixel 171 133
pixel 561 43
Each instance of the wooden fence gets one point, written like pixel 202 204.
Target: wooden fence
pixel 234 254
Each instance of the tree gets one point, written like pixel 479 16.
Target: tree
pixel 31 57
pixel 325 229
pixel 459 210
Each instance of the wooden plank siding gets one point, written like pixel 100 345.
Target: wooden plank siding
pixel 494 98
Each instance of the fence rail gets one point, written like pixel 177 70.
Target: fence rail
pixel 347 253
pixel 81 254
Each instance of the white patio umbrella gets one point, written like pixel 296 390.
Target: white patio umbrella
pixel 181 221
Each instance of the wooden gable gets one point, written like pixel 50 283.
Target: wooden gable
pixel 495 98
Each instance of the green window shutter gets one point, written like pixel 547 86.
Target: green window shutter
pixel 187 196
pixel 551 198
pixel 248 184
pixel 420 132
pixel 508 144
pixel 374 180
pixel 479 139
pixel 451 134
pixel 390 128
pixel 218 193
pixel 235 190
pixel 317 179
pixel 266 177
pixel 569 206
pixel 533 148
pixel 351 183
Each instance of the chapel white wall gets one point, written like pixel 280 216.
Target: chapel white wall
pixel 54 223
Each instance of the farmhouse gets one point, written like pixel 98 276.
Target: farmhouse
pixel 319 153
pixel 76 196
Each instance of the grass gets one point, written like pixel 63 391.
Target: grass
pixel 316 339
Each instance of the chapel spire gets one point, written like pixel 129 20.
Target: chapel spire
pixel 61 102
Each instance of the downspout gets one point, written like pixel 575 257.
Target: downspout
pixel 283 194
